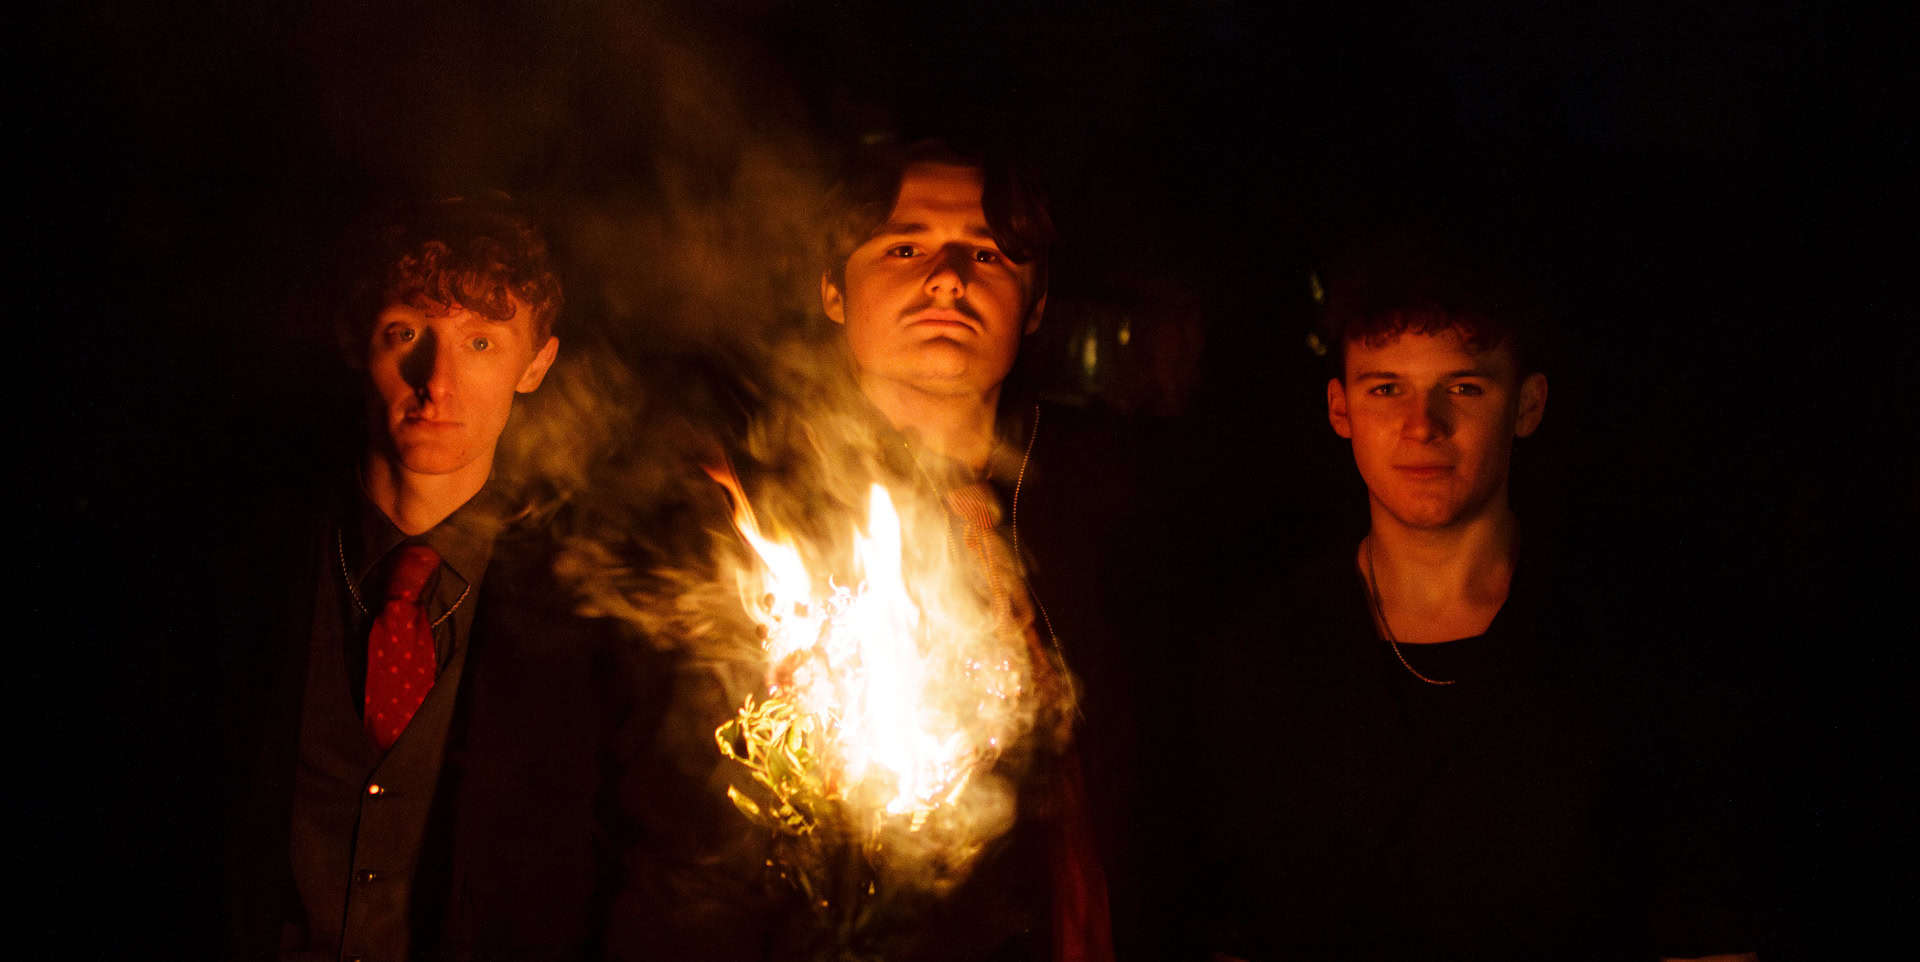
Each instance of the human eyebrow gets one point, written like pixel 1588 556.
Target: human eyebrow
pixel 477 319
pixel 979 232
pixel 896 228
pixel 1376 376
pixel 475 324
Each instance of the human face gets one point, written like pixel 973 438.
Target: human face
pixel 444 384
pixel 930 302
pixel 1432 425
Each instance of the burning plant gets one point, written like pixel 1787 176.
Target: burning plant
pixel 896 694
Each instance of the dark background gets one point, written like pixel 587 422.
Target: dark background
pixel 1709 187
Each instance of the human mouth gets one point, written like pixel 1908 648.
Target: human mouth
pixel 945 319
pixel 1424 472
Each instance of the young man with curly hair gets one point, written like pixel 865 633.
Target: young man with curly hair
pixel 1452 750
pixel 435 741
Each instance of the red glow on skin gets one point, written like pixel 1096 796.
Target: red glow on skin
pixel 1432 424
pixel 934 312
pixel 441 386
pixel 930 303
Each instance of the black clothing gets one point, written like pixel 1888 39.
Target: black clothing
pixel 520 846
pixel 1080 545
pixel 359 814
pixel 1073 511
pixel 1093 543
pixel 1525 811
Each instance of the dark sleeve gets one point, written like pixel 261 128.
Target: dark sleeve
pixel 693 880
pixel 269 563
pixel 1266 722
pixel 1099 551
pixel 1235 768
pixel 1690 763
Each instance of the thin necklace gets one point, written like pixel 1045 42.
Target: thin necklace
pixel 1380 611
pixel 340 547
pixel 1033 433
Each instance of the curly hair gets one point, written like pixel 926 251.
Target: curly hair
pixel 480 254
pixel 1419 280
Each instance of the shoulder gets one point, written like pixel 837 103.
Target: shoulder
pixel 1084 428
pixel 533 621
pixel 1632 649
pixel 1600 619
pixel 1306 593
pixel 548 684
pixel 275 523
pixel 1075 493
pixel 1092 452
pixel 266 553
pixel 1294 623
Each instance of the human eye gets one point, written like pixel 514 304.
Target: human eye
pixel 987 255
pixel 397 334
pixel 1384 389
pixel 902 250
pixel 481 343
pixel 1467 389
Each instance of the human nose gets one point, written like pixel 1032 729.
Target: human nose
pixel 947 275
pixel 428 368
pixel 1428 418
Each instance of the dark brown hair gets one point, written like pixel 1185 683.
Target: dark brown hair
pixel 1420 280
pixel 1016 208
pixel 473 253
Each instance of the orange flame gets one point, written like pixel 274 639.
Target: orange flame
pixel 903 668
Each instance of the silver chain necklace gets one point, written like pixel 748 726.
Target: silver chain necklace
pixel 340 548
pixel 1380 611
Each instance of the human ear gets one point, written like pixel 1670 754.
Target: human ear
pixel 1033 316
pixel 832 300
pixel 537 368
pixel 1533 405
pixel 1337 408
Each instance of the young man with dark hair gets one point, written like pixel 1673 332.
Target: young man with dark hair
pixel 1453 756
pixel 434 742
pixel 938 270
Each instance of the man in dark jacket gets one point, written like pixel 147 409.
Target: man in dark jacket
pixel 437 739
pixel 938 270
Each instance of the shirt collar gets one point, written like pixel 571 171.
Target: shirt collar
pixel 464 541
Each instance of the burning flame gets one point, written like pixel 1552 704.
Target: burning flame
pixel 887 690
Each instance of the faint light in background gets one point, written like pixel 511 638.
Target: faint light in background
pixel 1137 353
pixel 1314 343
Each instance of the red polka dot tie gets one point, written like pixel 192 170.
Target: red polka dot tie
pixel 400 663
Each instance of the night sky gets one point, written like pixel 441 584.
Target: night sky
pixel 1707 186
